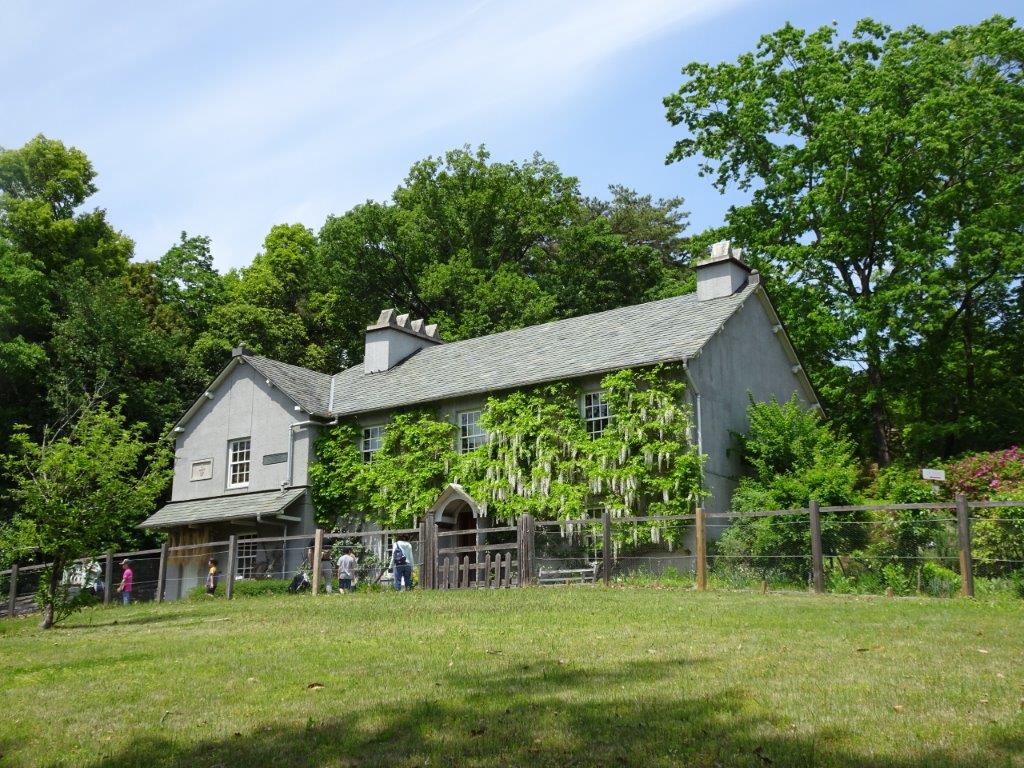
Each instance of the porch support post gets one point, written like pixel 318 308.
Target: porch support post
pixel 229 584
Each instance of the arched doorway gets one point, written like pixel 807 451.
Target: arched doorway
pixel 457 517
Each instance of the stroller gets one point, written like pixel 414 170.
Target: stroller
pixel 300 583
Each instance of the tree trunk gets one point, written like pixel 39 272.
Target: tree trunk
pixel 49 610
pixel 877 400
pixel 969 350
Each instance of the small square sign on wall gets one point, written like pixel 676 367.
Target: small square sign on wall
pixel 202 470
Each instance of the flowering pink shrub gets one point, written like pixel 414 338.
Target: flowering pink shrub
pixel 983 475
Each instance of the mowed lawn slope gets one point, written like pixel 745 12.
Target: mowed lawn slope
pixel 550 677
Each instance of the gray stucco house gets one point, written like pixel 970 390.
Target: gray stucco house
pixel 243 450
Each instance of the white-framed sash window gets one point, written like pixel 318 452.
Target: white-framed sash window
pixel 238 462
pixel 595 413
pixel 471 434
pixel 373 439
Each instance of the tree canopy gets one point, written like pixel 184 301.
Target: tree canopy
pixel 885 179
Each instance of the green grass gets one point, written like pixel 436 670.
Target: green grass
pixel 548 677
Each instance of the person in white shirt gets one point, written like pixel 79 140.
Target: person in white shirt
pixel 401 564
pixel 346 570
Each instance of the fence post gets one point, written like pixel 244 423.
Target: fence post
pixel 701 544
pixel 12 598
pixel 963 529
pixel 318 551
pixel 817 563
pixel 424 578
pixel 531 547
pixel 432 564
pixel 606 546
pixel 161 574
pixel 108 577
pixel 521 547
pixel 229 585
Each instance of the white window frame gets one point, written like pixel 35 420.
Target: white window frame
pixel 471 434
pixel 245 555
pixel 239 456
pixel 596 413
pixel 371 441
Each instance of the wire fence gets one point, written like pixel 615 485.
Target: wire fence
pixel 938 549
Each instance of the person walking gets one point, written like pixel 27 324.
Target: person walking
pixel 127 577
pixel 346 570
pixel 211 577
pixel 401 564
pixel 327 571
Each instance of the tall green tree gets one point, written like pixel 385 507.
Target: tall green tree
pixel 47 244
pixel 264 306
pixel 81 489
pixel 885 175
pixel 481 246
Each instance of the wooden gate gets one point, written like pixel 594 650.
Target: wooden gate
pixel 480 565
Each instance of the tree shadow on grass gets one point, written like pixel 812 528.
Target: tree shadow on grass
pixel 544 713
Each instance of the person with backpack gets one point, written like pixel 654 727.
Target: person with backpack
pixel 401 564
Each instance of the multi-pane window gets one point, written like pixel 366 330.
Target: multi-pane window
pixel 471 434
pixel 238 463
pixel 595 413
pixel 245 556
pixel 373 438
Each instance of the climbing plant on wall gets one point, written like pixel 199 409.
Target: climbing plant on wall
pixel 538 459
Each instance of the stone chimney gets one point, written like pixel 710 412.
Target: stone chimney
pixel 724 273
pixel 393 338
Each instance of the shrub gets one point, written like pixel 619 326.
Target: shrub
pixel 939 581
pixel 244 588
pixel 896 579
pixel 980 475
pixel 1017 583
pixel 792 457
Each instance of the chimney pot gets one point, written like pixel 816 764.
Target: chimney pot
pixel 393 339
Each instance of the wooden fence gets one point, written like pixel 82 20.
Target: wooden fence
pixel 514 563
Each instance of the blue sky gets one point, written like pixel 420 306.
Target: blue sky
pixel 225 118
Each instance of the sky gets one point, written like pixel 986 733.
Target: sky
pixel 225 118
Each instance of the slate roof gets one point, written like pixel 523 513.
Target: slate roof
pixel 310 389
pixel 222 508
pixel 643 334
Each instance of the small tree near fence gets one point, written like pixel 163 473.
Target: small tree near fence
pixel 79 490
pixel 791 455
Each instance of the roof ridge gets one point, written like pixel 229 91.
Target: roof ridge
pixel 287 365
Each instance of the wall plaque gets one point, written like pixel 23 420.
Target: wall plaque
pixel 274 458
pixel 202 470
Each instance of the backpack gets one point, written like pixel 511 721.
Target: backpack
pixel 399 557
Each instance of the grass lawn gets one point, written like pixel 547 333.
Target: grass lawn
pixel 550 677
